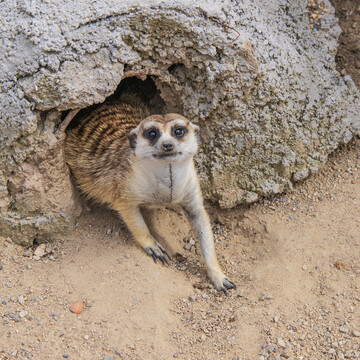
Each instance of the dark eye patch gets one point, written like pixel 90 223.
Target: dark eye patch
pixel 179 131
pixel 151 134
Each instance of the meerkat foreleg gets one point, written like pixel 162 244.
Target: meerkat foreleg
pixel 135 222
pixel 196 213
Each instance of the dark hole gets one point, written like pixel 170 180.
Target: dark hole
pixel 178 70
pixel 174 67
pixel 64 114
pixel 146 90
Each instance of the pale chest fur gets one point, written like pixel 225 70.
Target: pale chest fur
pixel 162 183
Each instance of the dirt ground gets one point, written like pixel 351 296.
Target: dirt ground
pixel 294 258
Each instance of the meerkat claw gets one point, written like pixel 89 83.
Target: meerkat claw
pixel 224 291
pixel 231 286
pixel 227 285
pixel 154 257
pixel 156 254
pixel 163 250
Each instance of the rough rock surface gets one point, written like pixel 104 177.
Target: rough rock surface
pixel 256 75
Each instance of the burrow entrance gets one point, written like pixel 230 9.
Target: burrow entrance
pixel 159 95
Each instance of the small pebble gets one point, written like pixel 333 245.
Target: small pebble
pixel 40 251
pixel 77 307
pixel 109 357
pixel 22 314
pixel 14 317
pixel 281 343
pixel 21 300
pixel 65 356
pixel 356 333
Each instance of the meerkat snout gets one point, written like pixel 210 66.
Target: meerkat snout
pixel 168 146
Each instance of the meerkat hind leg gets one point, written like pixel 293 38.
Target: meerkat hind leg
pixel 135 222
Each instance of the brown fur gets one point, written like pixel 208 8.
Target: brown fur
pixel 96 147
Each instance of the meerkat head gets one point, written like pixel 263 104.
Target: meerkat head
pixel 169 137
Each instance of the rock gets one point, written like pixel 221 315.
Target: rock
pixel 28 253
pixel 356 333
pixel 344 329
pixel 21 300
pixel 76 307
pixel 281 343
pixel 188 247
pixel 256 77
pixel 14 317
pixel 22 314
pixel 276 318
pixel 40 251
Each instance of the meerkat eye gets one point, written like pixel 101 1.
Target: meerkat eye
pixel 179 131
pixel 152 134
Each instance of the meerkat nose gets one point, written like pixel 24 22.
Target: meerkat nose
pixel 168 146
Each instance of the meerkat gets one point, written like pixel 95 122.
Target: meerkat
pixel 122 156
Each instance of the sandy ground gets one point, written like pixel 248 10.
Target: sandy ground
pixel 295 259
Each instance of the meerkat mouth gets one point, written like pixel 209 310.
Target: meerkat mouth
pixel 166 155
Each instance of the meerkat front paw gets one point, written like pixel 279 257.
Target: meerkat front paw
pixel 157 252
pixel 223 283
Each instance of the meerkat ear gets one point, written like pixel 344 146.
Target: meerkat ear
pixel 132 138
pixel 197 133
